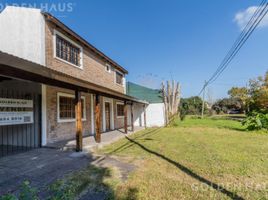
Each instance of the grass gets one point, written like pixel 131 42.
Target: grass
pixel 194 159
pixel 211 158
pixel 92 178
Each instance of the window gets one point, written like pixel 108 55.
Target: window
pixel 67 51
pixel 108 68
pixel 119 110
pixel 66 107
pixel 119 78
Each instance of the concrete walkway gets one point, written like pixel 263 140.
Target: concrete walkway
pixel 89 143
pixel 43 166
pixel 39 166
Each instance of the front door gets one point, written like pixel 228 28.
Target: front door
pixel 107 116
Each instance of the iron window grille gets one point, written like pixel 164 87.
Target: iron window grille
pixel 67 51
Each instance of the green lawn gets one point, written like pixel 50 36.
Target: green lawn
pixel 211 158
pixel 194 159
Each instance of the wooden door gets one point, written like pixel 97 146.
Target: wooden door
pixel 107 116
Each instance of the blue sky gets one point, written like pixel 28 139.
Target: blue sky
pixel 157 40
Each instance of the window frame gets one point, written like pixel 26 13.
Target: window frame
pixel 119 103
pixel 62 94
pixel 110 68
pixel 73 43
pixel 123 78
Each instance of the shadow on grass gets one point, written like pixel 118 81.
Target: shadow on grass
pixel 189 172
pixel 242 129
pixel 130 144
pixel 95 178
pixel 99 188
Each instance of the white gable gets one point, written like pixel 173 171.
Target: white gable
pixel 22 33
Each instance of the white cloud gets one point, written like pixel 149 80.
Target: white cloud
pixel 242 17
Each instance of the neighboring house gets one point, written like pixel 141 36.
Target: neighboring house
pixel 155 110
pixel 54 85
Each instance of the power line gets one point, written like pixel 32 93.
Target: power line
pixel 242 43
pixel 243 37
pixel 238 40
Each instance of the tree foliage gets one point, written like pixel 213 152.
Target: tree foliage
pixel 227 104
pixel 255 100
pixel 191 106
pixel 258 92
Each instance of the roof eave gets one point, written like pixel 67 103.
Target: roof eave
pixel 43 72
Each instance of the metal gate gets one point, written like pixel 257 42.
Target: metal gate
pixel 21 135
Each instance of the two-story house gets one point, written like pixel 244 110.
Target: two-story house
pixel 54 85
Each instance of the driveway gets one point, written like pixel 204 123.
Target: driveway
pixel 40 166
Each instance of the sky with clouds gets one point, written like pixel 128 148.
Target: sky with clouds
pixel 242 17
pixel 157 40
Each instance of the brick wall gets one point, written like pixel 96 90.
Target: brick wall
pixel 93 67
pixel 57 131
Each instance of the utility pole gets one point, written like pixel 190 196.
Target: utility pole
pixel 203 103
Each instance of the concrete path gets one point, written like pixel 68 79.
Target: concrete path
pixel 39 166
pixel 45 165
pixel 89 143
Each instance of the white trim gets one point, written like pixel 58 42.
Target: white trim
pixel 55 32
pixel 44 115
pixel 119 103
pixel 61 94
pixel 108 100
pixel 92 114
pixel 110 68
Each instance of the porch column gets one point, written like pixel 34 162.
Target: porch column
pixel 144 111
pixel 132 118
pixel 78 116
pixel 97 119
pixel 125 117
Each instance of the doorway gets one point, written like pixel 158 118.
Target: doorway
pixel 107 116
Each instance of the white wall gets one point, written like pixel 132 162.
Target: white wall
pixel 155 115
pixel 22 33
pixel 138 114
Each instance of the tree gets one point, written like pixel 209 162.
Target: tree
pixel 240 93
pixel 258 91
pixel 171 96
pixel 191 106
pixel 226 104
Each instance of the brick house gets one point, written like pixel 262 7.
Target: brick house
pixel 54 85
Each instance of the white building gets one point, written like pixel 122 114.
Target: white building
pixel 154 111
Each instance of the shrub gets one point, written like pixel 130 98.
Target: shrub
pixel 62 190
pixel 182 115
pixel 256 121
pixel 8 197
pixel 26 193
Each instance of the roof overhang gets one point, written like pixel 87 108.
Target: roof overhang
pixel 54 20
pixel 15 67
